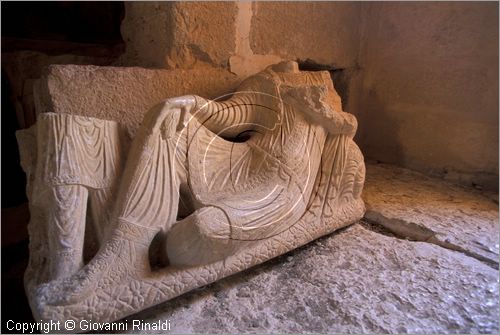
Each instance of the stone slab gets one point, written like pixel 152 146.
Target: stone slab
pixel 123 93
pixel 21 68
pixel 354 281
pixel 423 208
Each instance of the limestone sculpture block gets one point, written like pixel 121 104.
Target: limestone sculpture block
pixel 206 189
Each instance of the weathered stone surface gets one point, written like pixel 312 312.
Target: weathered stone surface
pixel 146 29
pixel 354 281
pixel 243 36
pixel 204 31
pixel 324 32
pixel 245 62
pixel 428 209
pixel 123 94
pixel 189 202
pixel 429 85
pixel 22 68
pixel 179 34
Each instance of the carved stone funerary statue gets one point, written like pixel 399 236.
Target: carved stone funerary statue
pixel 205 189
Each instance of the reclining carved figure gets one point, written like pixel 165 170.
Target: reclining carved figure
pixel 207 189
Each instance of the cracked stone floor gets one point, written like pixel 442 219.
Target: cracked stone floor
pixel 423 260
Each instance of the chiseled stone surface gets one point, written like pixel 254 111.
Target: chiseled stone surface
pixel 292 30
pixel 244 36
pixel 123 94
pixel 354 281
pixel 423 208
pixel 178 34
pixel 22 68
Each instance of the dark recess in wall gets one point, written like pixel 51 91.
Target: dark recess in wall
pixel 13 178
pixel 61 26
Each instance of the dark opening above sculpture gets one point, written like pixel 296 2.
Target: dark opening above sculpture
pixel 205 190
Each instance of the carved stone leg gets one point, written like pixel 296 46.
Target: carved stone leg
pixel 149 193
pixel 100 201
pixel 147 202
pixel 201 238
pixel 67 207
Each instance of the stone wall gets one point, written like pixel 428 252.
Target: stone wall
pixel 427 98
pixel 242 37
pixel 325 33
pixel 422 78
pixel 178 34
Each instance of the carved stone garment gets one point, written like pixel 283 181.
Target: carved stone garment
pixel 76 164
pixel 79 150
pixel 259 186
pixel 210 188
pixel 262 187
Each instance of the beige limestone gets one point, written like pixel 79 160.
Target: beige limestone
pixel 326 33
pixel 242 36
pixel 362 279
pixel 356 281
pixel 146 29
pixel 444 121
pixel 430 88
pixel 22 68
pixel 205 31
pixel 245 62
pixel 421 208
pixel 178 34
pixel 124 94
pixel 296 176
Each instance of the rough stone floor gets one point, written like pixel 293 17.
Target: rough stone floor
pixel 423 260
